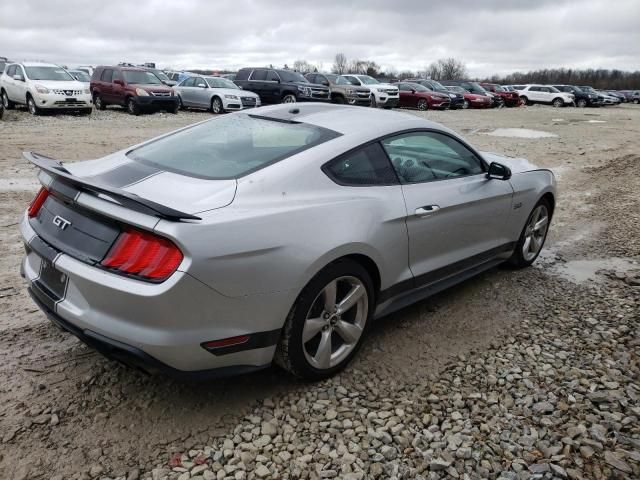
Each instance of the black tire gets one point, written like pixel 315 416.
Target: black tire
pixel 525 100
pixel 558 102
pixel 290 353
pixel 8 104
pixel 339 100
pixel 374 103
pixel 518 260
pixel 422 104
pixel 98 102
pixel 216 105
pixel 31 106
pixel 581 103
pixel 180 104
pixel 289 98
pixel 636 101
pixel 465 104
pixel 132 106
pixel 174 110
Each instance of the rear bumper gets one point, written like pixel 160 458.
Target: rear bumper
pixel 157 327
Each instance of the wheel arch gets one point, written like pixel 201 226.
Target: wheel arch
pixel 551 200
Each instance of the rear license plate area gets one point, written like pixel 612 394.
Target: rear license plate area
pixel 52 281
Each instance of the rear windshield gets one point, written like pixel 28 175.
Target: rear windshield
pixel 231 146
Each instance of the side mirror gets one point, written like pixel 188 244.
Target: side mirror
pixel 117 81
pixel 413 91
pixel 202 85
pixel 498 171
pixel 19 78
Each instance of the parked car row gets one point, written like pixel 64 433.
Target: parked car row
pixel 138 88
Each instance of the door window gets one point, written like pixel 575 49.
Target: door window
pixel 425 156
pixel 107 75
pixel 366 166
pixel 259 74
pixel 200 82
pixel 272 76
pixel 189 82
pixel 11 71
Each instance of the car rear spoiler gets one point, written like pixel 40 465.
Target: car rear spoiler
pixel 127 199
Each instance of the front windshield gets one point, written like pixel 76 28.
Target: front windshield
pixel 588 89
pixel 367 80
pixel 48 73
pixel 498 88
pixel 231 146
pixel 161 75
pixel 141 77
pixel 288 77
pixel 474 88
pixel 219 82
pixel 457 89
pixel 417 87
pixel 338 80
pixel 80 76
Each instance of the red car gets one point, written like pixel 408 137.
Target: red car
pixel 414 95
pixel 471 100
pixel 511 99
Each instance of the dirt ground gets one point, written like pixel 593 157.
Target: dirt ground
pixel 64 408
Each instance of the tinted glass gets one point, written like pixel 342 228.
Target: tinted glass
pixel 11 71
pixel 189 82
pixel 291 76
pixel 426 156
pixel 140 77
pixel 363 167
pixel 259 74
pixel 106 75
pixel 272 76
pixel 80 76
pixel 243 74
pixel 200 82
pixel 230 147
pixel 48 73
pixel 417 87
pixel 352 80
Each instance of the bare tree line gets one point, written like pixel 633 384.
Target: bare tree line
pixel 597 78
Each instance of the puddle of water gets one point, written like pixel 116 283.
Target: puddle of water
pixel 520 133
pixel 19 184
pixel 579 271
pixel 595 121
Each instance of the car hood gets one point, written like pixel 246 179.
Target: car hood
pixel 234 91
pixel 516 164
pixel 58 85
pixel 180 192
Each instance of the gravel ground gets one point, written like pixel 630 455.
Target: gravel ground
pixel 511 375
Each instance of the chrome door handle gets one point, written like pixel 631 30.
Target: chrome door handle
pixel 427 210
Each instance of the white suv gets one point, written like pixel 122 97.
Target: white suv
pixel 384 94
pixel 547 94
pixel 43 86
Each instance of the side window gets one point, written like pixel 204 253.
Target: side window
pixel 107 75
pixel 117 75
pixel 366 166
pixel 425 156
pixel 189 82
pixel 11 71
pixel 200 82
pixel 243 74
pixel 352 80
pixel 535 89
pixel 403 87
pixel 259 74
pixel 272 76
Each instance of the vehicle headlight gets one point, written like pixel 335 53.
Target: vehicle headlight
pixel 231 97
pixel 41 89
pixel 306 91
pixel 142 92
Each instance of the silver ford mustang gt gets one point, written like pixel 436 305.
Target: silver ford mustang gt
pixel 274 235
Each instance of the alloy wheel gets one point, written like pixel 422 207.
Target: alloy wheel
pixel 558 103
pixel 465 104
pixel 31 105
pixel 216 105
pixel 335 322
pixel 5 100
pixel 535 232
pixel 289 99
pixel 422 104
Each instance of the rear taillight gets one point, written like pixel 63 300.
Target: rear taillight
pixel 37 203
pixel 144 255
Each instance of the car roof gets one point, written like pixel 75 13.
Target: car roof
pixel 347 119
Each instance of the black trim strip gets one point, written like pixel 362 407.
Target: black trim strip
pixel 443 272
pixel 256 340
pixel 127 174
pixel 136 358
pixel 125 198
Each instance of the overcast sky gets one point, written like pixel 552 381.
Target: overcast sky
pixel 490 36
